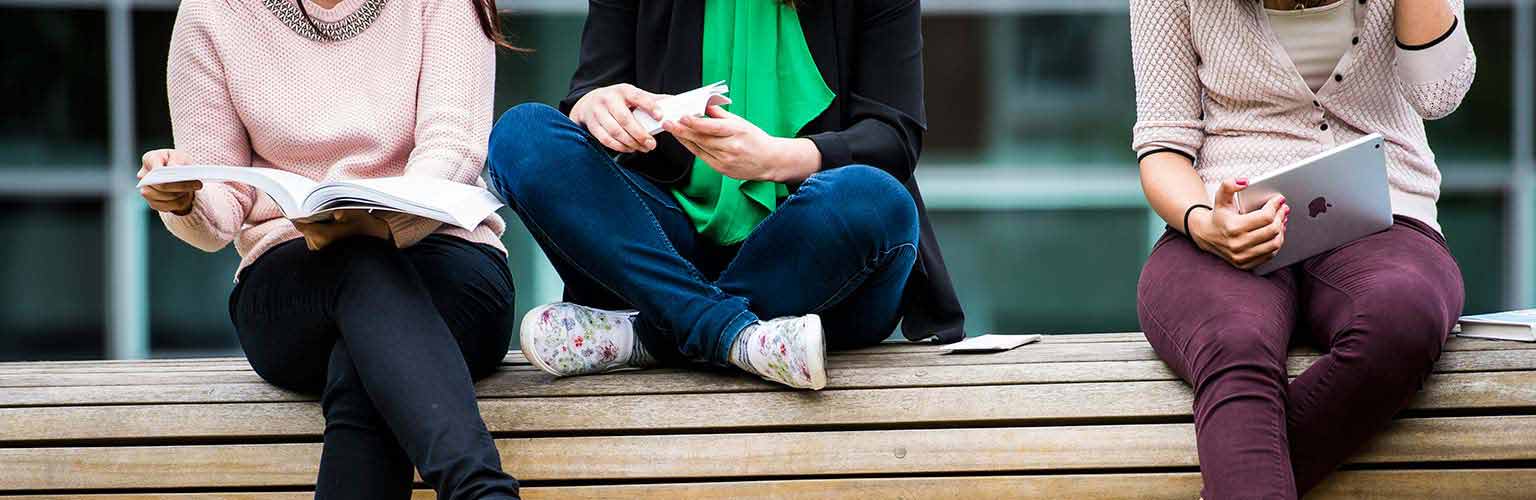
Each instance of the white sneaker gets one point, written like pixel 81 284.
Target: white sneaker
pixel 791 351
pixel 567 339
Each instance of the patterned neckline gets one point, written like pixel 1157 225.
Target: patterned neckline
pixel 330 31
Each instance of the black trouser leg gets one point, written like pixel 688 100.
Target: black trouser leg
pixel 392 337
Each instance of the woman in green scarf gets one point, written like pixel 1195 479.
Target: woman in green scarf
pixel 782 223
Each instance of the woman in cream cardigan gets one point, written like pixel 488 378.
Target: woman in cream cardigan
pixel 1227 90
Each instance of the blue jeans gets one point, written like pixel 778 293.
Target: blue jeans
pixel 841 246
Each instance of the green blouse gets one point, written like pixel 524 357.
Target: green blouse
pixel 758 48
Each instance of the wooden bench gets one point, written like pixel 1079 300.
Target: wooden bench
pixel 1081 416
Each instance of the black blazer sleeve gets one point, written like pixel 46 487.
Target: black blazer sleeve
pixel 607 49
pixel 884 92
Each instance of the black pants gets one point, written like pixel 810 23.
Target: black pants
pixel 391 339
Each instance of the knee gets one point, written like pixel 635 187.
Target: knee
pixel 1234 344
pixel 527 144
pixel 1400 323
pixel 873 203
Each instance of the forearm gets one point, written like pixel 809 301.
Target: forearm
pixel 1172 186
pixel 1418 22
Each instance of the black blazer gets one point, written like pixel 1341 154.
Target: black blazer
pixel 869 53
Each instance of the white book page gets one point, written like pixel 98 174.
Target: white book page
pixel 461 205
pixel 674 108
pixel 287 189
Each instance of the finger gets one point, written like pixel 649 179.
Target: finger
pixel 602 136
pixel 178 187
pixel 717 111
pixel 611 125
pixel 1262 235
pixel 1229 187
pixel 151 194
pixel 166 206
pixel 683 132
pixel 149 161
pixel 177 157
pixel 702 152
pixel 1264 216
pixel 718 127
pixel 642 100
pixel 626 120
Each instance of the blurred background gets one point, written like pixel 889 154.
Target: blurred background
pixel 1027 170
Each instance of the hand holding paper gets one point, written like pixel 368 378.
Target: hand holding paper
pixel 691 103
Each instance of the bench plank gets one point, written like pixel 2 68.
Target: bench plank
pixel 1470 484
pixel 1048 350
pixel 105 389
pixel 1036 404
pixel 1434 440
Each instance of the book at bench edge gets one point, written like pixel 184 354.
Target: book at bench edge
pixel 1518 325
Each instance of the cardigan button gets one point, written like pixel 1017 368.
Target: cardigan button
pixel 1324 127
pixel 1338 78
pixel 1354 41
pixel 1316 104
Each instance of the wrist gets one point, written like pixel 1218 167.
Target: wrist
pixel 1195 224
pixel 794 160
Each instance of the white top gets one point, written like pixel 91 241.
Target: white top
pixel 1315 38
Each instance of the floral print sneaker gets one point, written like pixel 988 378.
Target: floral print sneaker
pixel 791 351
pixel 567 339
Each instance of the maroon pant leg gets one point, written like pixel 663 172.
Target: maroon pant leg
pixel 1225 331
pixel 1380 307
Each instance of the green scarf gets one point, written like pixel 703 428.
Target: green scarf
pixel 758 48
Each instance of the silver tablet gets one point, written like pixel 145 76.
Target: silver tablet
pixel 1336 197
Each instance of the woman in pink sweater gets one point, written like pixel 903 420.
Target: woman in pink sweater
pixel 1232 89
pixel 388 317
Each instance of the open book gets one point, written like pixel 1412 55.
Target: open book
pixel 1509 325
pixel 674 108
pixel 300 198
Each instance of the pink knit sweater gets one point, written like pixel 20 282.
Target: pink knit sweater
pixel 1214 83
pixel 410 95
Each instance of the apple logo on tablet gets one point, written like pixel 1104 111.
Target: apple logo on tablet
pixel 1318 206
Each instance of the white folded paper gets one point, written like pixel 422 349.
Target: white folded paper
pixel 690 103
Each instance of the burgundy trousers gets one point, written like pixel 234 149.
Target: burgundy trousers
pixel 1379 308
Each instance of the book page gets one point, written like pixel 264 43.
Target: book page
pixel 461 205
pixel 287 189
pixel 674 108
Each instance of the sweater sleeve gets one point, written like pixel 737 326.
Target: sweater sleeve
pixel 453 105
pixel 1434 77
pixel 205 126
pixel 1168 91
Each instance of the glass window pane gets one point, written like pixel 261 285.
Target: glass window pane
pixel 1474 229
pixel 52 280
pixel 1057 271
pixel 151 42
pixel 1480 131
pixel 54 75
pixel 189 296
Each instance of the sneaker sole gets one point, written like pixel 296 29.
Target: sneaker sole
pixel 818 362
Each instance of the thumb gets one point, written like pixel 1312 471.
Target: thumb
pixel 1229 187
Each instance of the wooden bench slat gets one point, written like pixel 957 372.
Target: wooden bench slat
pixel 1036 404
pixel 850 453
pixel 522 383
pixel 1470 484
pixel 910 354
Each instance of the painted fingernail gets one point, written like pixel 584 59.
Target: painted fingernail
pixel 1242 182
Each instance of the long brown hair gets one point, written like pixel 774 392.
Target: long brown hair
pixel 485 11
